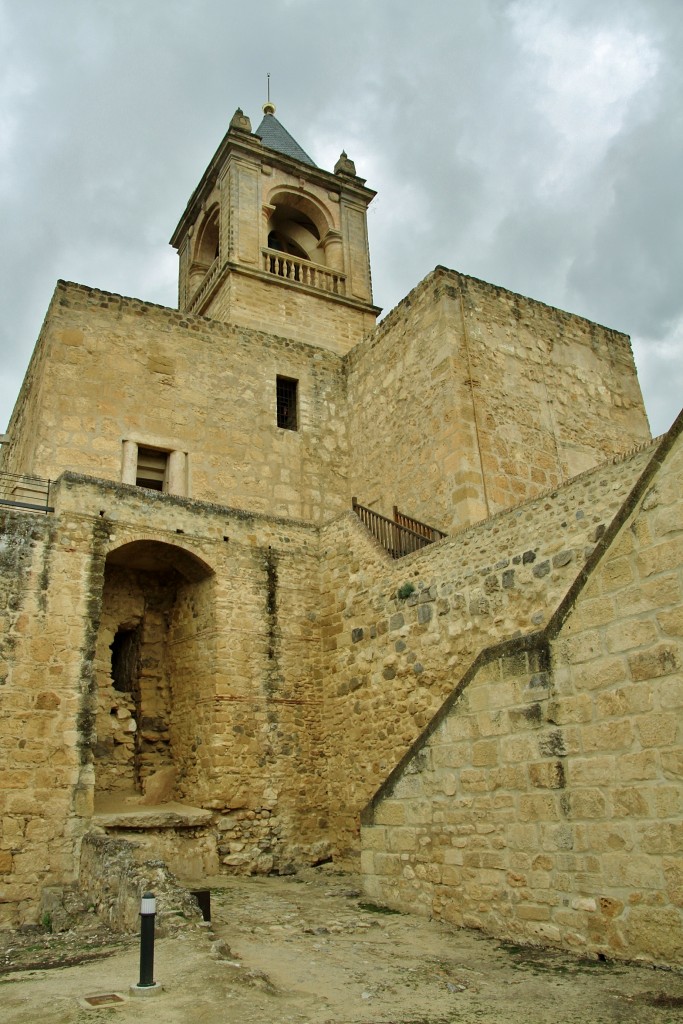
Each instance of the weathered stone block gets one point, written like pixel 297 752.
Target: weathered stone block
pixel 485 752
pixel 604 671
pixel 547 775
pixel 658 729
pixel 615 735
pixel 639 765
pixel 531 912
pixel 623 636
pixel 592 771
pixel 662 660
pixel 588 803
pixel 390 812
pixel 660 557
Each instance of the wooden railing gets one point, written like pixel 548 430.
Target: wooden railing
pixel 26 493
pixel 395 534
pixel 429 532
pixel 291 268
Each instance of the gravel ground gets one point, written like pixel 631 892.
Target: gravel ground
pixel 307 948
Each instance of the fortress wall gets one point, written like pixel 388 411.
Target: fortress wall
pixel 412 434
pixel 243 668
pixel 19 456
pixel 47 583
pixel 392 661
pixel 469 399
pixel 237 655
pixel 544 801
pixel 123 369
pixel 549 386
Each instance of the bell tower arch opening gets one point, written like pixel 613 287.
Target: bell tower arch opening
pixel 154 671
pixel 297 226
pixel 206 248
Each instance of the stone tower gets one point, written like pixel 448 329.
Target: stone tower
pixel 269 240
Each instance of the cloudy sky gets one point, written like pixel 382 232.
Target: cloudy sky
pixel 537 144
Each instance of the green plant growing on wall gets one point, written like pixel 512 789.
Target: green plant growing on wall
pixel 405 590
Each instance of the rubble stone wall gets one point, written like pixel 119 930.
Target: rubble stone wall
pixel 113 876
pixel 392 660
pixel 239 674
pixel 543 803
pixel 243 668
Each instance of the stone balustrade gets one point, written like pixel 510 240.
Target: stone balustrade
pixel 203 290
pixel 299 271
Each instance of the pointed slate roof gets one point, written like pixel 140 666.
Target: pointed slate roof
pixel 274 136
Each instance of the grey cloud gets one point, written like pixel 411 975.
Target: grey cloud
pixel 112 111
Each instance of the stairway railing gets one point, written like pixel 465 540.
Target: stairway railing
pixel 401 535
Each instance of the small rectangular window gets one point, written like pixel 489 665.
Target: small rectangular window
pixel 287 417
pixel 152 469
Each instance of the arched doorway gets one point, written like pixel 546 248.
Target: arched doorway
pixel 154 669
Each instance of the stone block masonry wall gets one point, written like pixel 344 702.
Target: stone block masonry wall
pixel 550 386
pixel 24 551
pixel 469 399
pixel 21 453
pixel 48 642
pixel 232 666
pixel 392 660
pixel 121 369
pixel 243 668
pixel 544 802
pixel 619 676
pixel 264 303
pixel 412 434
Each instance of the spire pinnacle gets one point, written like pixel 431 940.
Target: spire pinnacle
pixel 268 107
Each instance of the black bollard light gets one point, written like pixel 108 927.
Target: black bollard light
pixel 148 909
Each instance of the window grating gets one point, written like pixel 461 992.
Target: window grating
pixel 286 389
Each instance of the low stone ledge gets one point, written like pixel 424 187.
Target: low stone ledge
pixel 168 816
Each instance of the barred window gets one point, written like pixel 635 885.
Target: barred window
pixel 286 390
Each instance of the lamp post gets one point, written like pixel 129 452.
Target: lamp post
pixel 148 911
pixel 147 985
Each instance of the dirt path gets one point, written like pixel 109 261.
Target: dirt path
pixel 308 949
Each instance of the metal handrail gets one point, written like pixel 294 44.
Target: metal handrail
pixel 25 492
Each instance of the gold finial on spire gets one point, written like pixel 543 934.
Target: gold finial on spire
pixel 268 108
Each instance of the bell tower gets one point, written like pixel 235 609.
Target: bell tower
pixel 270 241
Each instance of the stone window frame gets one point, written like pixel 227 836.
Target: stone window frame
pixel 176 476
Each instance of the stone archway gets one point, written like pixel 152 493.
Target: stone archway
pixel 154 670
pixel 298 224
